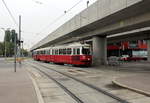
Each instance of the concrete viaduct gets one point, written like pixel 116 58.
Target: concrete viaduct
pixel 100 22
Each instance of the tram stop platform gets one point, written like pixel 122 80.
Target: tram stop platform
pixel 15 87
pixel 138 83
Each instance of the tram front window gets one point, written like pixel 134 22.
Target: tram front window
pixel 86 51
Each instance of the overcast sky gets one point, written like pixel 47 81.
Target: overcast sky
pixel 39 17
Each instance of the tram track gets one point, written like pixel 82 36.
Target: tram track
pixel 100 90
pixel 78 100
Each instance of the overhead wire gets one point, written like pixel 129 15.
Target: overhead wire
pixel 54 21
pixel 74 5
pixel 10 13
pixel 58 18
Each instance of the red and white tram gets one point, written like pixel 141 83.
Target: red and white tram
pixel 75 54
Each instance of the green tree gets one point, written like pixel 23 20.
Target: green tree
pixel 1 49
pixel 12 43
pixel 24 52
pixel 13 34
pixel 8 48
pixel 7 37
pixel 9 41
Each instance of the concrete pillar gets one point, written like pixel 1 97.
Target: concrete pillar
pixel 148 50
pixel 99 50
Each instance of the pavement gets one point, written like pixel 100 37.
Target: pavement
pixel 139 83
pixel 15 87
pixel 18 87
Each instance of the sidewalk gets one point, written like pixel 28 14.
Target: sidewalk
pixel 139 83
pixel 15 87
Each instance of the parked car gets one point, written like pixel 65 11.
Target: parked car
pixel 124 58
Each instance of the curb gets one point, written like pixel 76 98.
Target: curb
pixel 130 88
pixel 37 90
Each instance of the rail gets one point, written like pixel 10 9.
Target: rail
pixel 90 85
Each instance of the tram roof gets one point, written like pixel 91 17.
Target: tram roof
pixel 64 46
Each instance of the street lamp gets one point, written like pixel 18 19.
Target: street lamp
pixel 87 3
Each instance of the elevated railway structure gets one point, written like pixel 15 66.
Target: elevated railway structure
pixel 101 20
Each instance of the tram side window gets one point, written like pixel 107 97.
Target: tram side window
pixel 60 51
pixel 52 52
pixel 74 51
pixel 55 52
pixel 64 51
pixel 78 51
pixel 49 52
pixel 69 51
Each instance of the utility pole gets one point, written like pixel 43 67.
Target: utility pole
pixel 22 48
pixel 19 52
pixel 15 52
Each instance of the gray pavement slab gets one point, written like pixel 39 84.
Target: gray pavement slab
pixel 54 91
pixel 139 83
pixel 95 97
pixel 47 85
pixel 140 100
pixel 15 87
pixel 126 94
pixel 59 99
